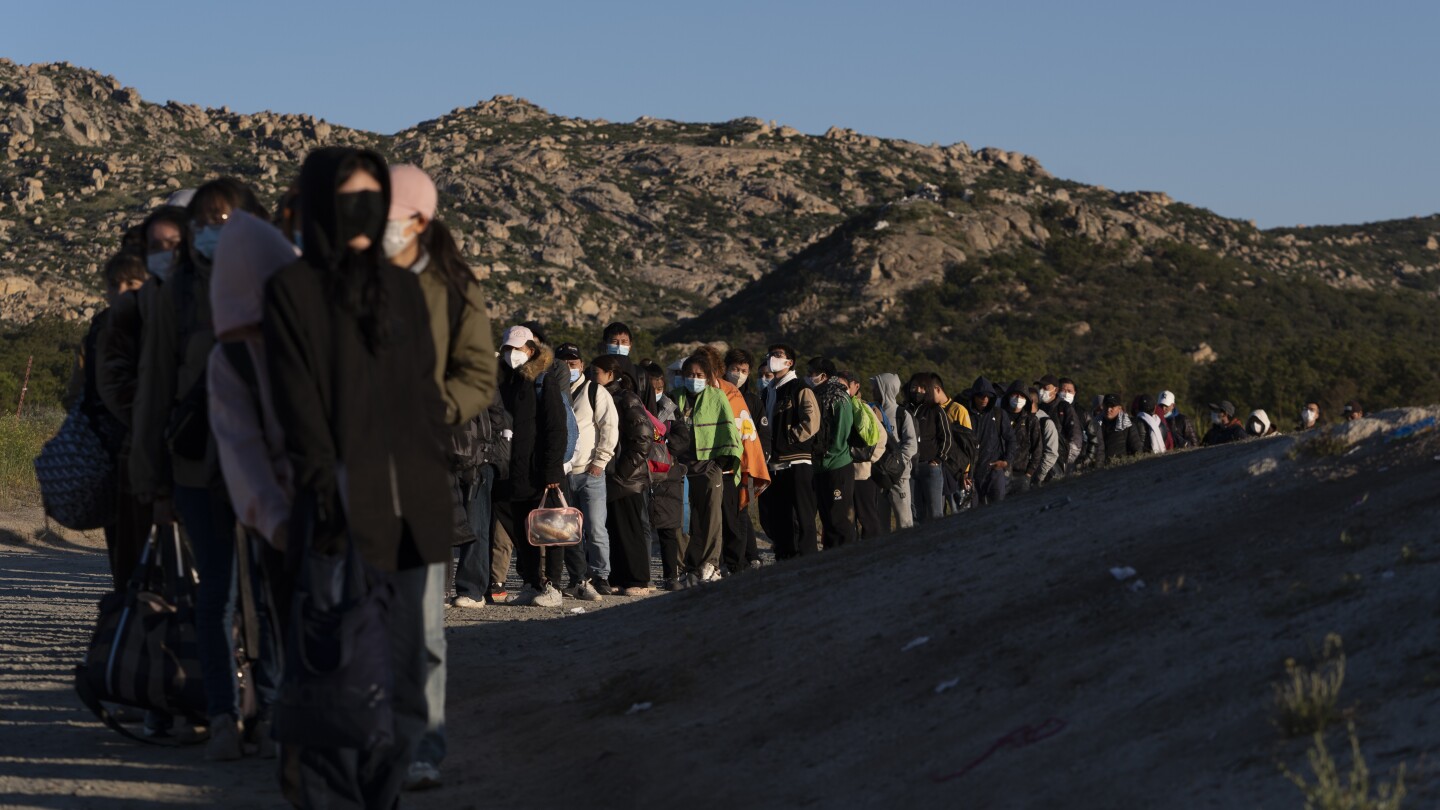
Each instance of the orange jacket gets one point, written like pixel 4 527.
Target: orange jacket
pixel 753 472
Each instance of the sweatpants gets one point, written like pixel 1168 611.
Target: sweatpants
pixel 792 516
pixel 672 550
pixel 734 524
pixel 835 495
pixel 900 501
pixel 871 519
pixel 629 543
pixel 706 521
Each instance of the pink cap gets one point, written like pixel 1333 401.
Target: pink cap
pixel 517 336
pixel 412 192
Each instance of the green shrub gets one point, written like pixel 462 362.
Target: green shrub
pixel 1306 699
pixel 20 442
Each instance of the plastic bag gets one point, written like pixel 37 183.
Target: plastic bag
pixel 555 527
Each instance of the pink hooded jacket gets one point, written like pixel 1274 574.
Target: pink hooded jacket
pixel 247 433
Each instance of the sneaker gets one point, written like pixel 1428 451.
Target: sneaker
pixel 601 586
pixel 497 595
pixel 755 563
pixel 466 602
pixel 586 592
pixel 157 726
pixel 636 591
pixel 709 573
pixel 422 776
pixel 669 585
pixel 525 597
pixel 550 597
pixel 224 744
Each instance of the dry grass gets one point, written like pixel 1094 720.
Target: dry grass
pixel 1331 791
pixel 20 441
pixel 1306 700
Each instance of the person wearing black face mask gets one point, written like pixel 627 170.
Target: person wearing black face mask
pixel 352 374
pixel 932 432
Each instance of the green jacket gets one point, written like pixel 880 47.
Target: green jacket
pixel 837 419
pixel 714 436
pixel 464 361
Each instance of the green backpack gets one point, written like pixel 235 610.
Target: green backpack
pixel 864 431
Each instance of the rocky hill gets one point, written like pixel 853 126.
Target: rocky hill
pixel 576 221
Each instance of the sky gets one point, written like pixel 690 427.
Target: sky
pixel 1286 113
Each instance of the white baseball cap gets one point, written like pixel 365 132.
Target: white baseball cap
pixel 517 336
pixel 1166 398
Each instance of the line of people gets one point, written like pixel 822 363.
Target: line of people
pixel 293 385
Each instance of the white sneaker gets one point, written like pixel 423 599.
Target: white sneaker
pixel 422 776
pixel 224 744
pixel 467 602
pixel 550 597
pixel 709 573
pixel 525 597
pixel 586 592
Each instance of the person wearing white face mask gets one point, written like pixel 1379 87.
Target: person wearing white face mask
pixel 1309 417
pixel 1067 420
pixel 465 374
pixel 535 401
pixel 793 414
pixel 598 424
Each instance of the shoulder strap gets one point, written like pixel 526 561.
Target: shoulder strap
pixel 591 392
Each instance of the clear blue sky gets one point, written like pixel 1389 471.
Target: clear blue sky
pixel 1298 112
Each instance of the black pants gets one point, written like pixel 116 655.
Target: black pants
pixel 734 538
pixel 629 542
pixel 349 777
pixel 671 549
pixel 792 495
pixel 991 488
pixel 872 520
pixel 125 538
pixel 752 550
pixel 834 495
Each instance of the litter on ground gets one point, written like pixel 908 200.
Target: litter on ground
pixel 915 642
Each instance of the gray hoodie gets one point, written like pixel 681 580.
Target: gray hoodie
pixel 887 385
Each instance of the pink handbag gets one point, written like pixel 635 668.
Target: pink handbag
pixel 555 527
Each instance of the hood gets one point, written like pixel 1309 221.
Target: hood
pixel 1260 418
pixel 888 387
pixel 980 387
pixel 250 250
pixel 1018 387
pixel 320 217
pixel 539 364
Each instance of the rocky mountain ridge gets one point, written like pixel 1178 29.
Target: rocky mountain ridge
pixel 580 221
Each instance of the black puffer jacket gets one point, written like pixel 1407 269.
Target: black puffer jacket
pixel 629 472
pixel 537 444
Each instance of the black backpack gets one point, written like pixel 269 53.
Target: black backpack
pixel 494 428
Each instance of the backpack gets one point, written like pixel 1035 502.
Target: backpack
pixel 495 429
pixel 572 428
pixel 958 452
pixel 889 470
pixel 864 430
pixel 658 458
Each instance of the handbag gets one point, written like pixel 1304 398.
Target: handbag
pixel 143 652
pixel 555 527
pixel 337 689
pixel 77 475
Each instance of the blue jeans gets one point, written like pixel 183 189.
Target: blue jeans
pixel 928 483
pixel 209 523
pixel 472 574
pixel 431 747
pixel 589 494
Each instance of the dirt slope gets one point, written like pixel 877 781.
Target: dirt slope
pixel 792 686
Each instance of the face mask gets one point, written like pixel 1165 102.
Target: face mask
pixel 694 385
pixel 1170 414
pixel 917 396
pixel 159 263
pixel 1307 416
pixel 766 382
pixel 676 381
pixel 616 348
pixel 658 395
pixel 395 239
pixel 1217 418
pixel 813 382
pixel 1015 403
pixel 1068 397
pixel 737 379
pixel 574 375
pixel 515 358
pixel 361 213
pixel 779 365
pixel 299 240
pixel 206 239
pixel 1047 396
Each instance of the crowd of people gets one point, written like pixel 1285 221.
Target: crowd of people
pixel 320 379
